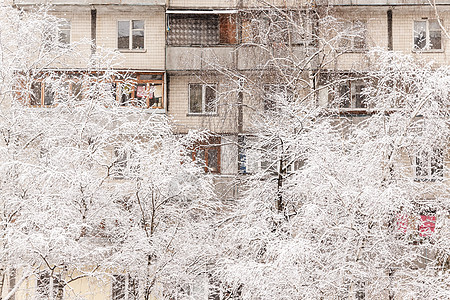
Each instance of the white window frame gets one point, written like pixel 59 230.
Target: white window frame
pixel 130 41
pixel 126 287
pixel 427 165
pixel 272 94
pixel 353 94
pixel 203 112
pixel 53 289
pixel 428 40
pixel 125 164
pixel 66 27
pixel 351 26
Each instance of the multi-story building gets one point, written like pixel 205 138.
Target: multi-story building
pixel 215 65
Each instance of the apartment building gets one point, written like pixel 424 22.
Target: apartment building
pixel 197 60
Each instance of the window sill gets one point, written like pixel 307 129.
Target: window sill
pixel 429 179
pixel 427 50
pixel 349 51
pixel 202 46
pixel 132 51
pixel 201 115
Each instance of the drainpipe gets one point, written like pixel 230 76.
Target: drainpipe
pixel 389 28
pixel 93 29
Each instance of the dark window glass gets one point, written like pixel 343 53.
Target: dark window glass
pixel 137 24
pixel 359 98
pixel 118 287
pixel 77 89
pixel 435 35
pixel 138 39
pixel 49 96
pixel 344 95
pixel 420 34
pixel 133 289
pixel 35 95
pixel 213 159
pixel 150 77
pixel 437 164
pixel 123 35
pixel 12 282
pixel 64 36
pixel 210 99
pixel 125 94
pixel 195 98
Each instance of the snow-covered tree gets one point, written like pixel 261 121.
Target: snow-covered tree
pixel 339 205
pixel 90 188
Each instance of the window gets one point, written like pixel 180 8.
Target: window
pixel 41 94
pixel 46 92
pixel 130 35
pixel 350 95
pixel 277 28
pixel 427 35
pixel 125 165
pixel 353 36
pixel 359 290
pixel 201 29
pixel 259 156
pixel 49 287
pixel 207 154
pixel 124 287
pixel 273 94
pixel 429 165
pixel 202 98
pixel 145 91
pixel 64 33
pixel 12 282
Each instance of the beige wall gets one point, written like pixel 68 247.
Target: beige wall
pixel 201 3
pixel 225 121
pixel 88 288
pixel 233 3
pixel 154 56
pixel 80 34
pixel 376 36
pixel 402 32
pixel 403 26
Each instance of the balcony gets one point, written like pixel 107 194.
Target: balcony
pixel 94 2
pixel 199 58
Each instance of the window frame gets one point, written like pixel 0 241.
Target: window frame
pixel 351 25
pixel 130 37
pixel 352 97
pixel 427 158
pixel 256 27
pixel 65 26
pixel 76 85
pixel 70 81
pixel 419 224
pixel 270 89
pixel 133 83
pixel 54 285
pixel 42 93
pixel 427 47
pixel 124 286
pixel 126 164
pixel 214 143
pixel 204 105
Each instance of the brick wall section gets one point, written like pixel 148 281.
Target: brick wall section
pixel 225 121
pixel 80 32
pixel 402 30
pixel 154 57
